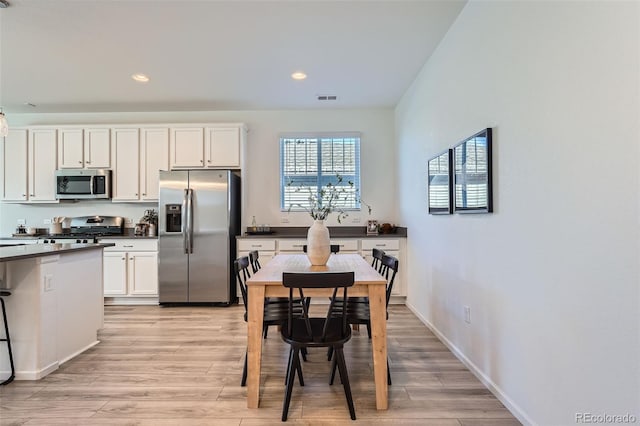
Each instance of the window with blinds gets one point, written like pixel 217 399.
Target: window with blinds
pixel 308 163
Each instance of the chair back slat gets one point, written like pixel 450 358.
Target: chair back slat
pixel 377 255
pixel 253 260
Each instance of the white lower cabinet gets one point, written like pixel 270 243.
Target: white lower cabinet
pixel 131 269
pixel 267 248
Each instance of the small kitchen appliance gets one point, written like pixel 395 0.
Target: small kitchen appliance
pixel 83 184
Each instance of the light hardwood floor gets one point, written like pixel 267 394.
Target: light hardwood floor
pixel 182 366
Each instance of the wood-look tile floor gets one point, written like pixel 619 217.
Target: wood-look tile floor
pixel 182 366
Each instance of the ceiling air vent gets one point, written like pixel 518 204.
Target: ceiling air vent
pixel 327 97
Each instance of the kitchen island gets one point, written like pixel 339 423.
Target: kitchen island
pixel 56 304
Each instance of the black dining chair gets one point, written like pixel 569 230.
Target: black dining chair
pixel 273 314
pixel 312 332
pixel 276 304
pixel 359 312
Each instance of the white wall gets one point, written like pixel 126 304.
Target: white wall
pixel 261 175
pixel 552 277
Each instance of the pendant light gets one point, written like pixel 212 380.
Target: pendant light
pixel 4 126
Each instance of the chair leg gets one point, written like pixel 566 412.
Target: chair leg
pixel 329 353
pixel 303 352
pixel 334 366
pixel 290 377
pixel 243 382
pixel 8 340
pixel 298 369
pixel 342 367
pixel 388 373
pixel 369 329
pixel 265 330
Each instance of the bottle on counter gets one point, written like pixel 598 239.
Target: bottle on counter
pixel 254 225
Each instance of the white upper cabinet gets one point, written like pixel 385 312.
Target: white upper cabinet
pixel 42 165
pixel 84 148
pixel 187 147
pixel 154 156
pixel 222 147
pixel 14 165
pixel 126 159
pixel 213 146
pixel 29 165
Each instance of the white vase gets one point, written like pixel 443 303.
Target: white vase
pixel 318 243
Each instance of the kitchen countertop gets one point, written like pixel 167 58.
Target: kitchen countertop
pixel 334 232
pixel 19 252
pixel 128 233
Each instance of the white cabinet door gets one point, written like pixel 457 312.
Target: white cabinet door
pixel 222 147
pixel 14 165
pixel 154 156
pixel 115 273
pixel 97 149
pixel 126 161
pixel 70 149
pixel 187 147
pixel 143 273
pixel 42 165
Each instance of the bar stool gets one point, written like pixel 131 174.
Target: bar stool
pixel 5 293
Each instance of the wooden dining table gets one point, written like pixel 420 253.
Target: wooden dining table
pixel 267 282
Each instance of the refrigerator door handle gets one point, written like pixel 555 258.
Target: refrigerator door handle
pixel 190 220
pixel 184 225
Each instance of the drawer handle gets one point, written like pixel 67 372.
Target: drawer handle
pixel 256 245
pixel 127 246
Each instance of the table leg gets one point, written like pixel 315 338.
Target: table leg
pixel 254 343
pixel 377 306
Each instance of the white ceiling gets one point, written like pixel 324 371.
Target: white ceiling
pixel 206 55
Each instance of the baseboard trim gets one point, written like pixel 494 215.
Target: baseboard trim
pixel 131 300
pixel 484 379
pixel 78 352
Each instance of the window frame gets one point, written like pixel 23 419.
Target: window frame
pixel 321 179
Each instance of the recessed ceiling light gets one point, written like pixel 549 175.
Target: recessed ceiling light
pixel 298 75
pixel 140 78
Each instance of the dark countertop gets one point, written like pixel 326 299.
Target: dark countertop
pixel 25 251
pixel 128 233
pixel 334 232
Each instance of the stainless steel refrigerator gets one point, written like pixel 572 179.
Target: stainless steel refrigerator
pixel 198 220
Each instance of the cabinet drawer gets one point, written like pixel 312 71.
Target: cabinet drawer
pixel 257 244
pixel 346 245
pixel 291 245
pixel 131 245
pixel 379 243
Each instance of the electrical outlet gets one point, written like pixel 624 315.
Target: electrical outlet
pixel 47 221
pixel 22 221
pixel 284 219
pixel 48 284
pixel 467 315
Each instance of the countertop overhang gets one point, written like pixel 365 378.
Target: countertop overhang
pixel 26 251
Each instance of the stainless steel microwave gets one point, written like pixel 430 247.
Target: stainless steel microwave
pixel 83 184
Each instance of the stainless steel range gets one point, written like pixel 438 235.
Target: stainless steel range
pixel 87 229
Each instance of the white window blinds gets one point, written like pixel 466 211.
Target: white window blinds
pixel 313 161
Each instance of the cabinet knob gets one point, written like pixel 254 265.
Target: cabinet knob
pixel 208 161
pixel 202 161
pixel 124 258
pixel 144 193
pixel 79 162
pixel 136 194
pixel 88 162
pixel 32 195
